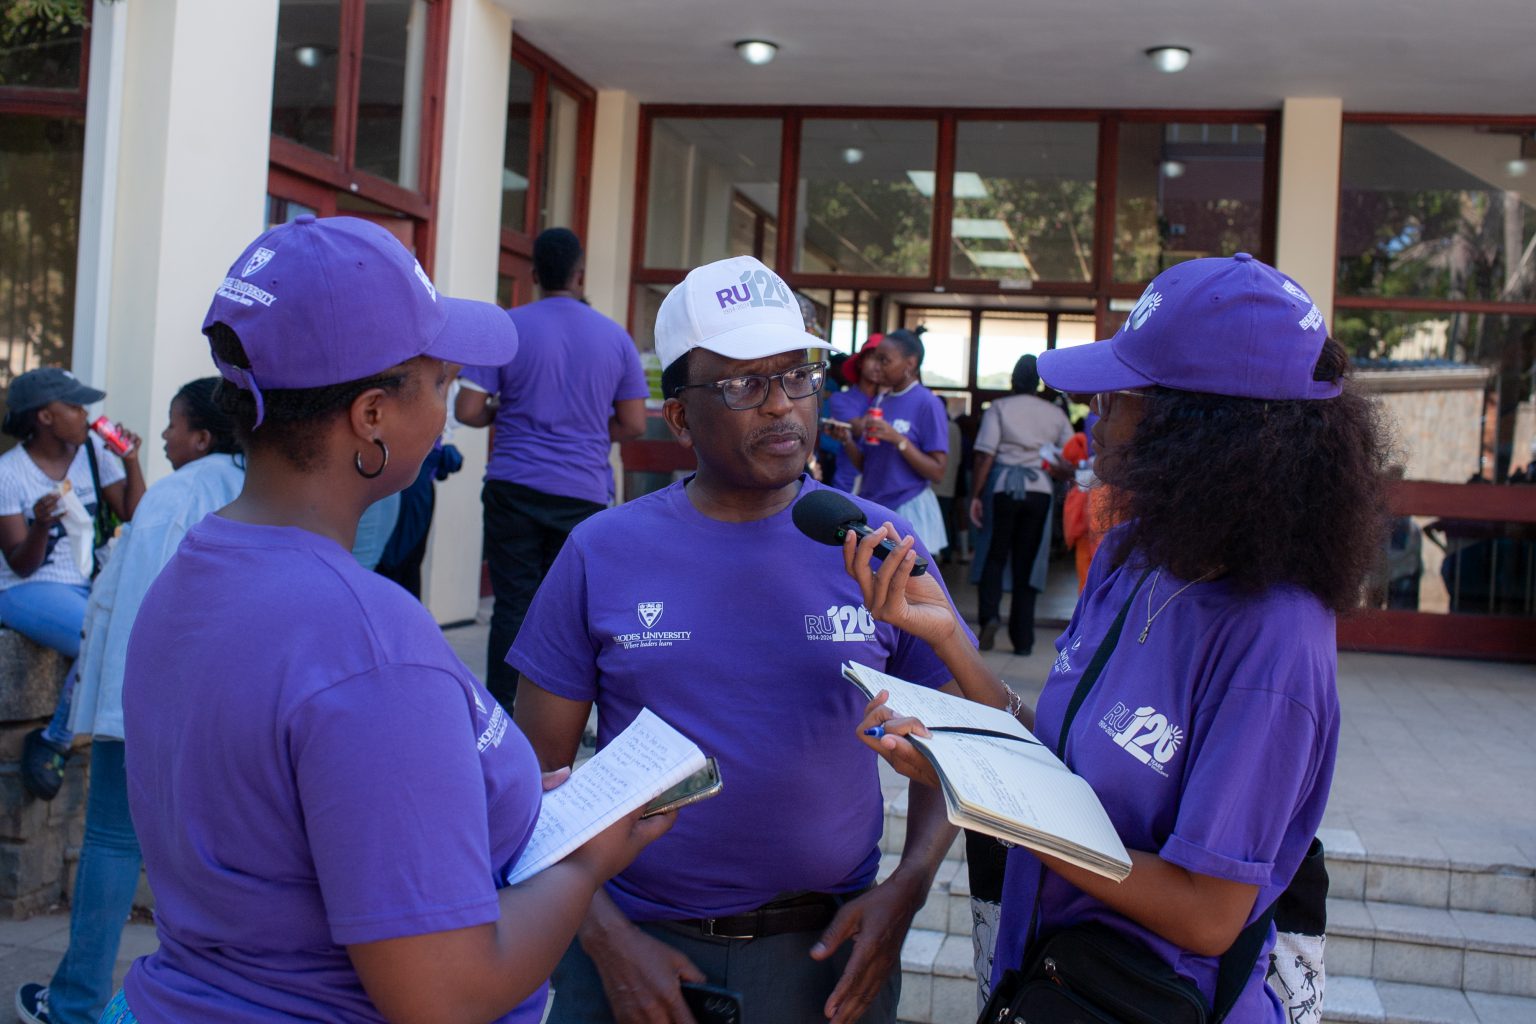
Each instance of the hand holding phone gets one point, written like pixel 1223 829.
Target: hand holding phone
pixel 701 785
pixel 711 1004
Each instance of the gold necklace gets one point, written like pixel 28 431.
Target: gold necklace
pixel 1153 589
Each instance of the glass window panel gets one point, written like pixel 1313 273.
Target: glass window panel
pixel 866 197
pixel 517 161
pixel 40 162
pixel 304 72
pixel 1438 211
pixel 390 89
pixel 558 206
pixel 1004 337
pixel 1024 200
pixel 37 53
pixel 1457 387
pixel 946 346
pixel 647 304
pixel 704 172
pixel 1184 191
pixel 1073 329
pixel 850 320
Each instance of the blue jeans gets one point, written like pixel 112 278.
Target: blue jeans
pixel 104 887
pixel 50 614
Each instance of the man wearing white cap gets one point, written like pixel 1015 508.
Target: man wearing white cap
pixel 704 603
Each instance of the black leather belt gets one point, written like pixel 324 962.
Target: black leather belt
pixel 808 912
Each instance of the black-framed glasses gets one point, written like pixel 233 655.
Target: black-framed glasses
pixel 751 390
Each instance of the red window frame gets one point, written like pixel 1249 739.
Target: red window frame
pixel 292 163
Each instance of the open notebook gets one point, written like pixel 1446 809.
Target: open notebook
pixel 637 765
pixel 998 779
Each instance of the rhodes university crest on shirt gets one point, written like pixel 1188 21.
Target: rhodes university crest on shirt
pixel 649 612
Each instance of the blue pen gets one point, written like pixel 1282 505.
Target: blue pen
pixel 877 732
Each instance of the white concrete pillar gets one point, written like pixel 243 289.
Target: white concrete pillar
pixel 1307 228
pixel 196 112
pixel 611 210
pixel 468 248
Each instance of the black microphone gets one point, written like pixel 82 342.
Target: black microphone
pixel 827 516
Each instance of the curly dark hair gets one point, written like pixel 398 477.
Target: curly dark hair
pixel 292 414
pixel 1268 492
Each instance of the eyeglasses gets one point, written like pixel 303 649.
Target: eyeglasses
pixel 1101 403
pixel 751 390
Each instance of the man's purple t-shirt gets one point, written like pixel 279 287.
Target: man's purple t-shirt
pixel 734 634
pixel 918 415
pixel 846 405
pixel 309 767
pixel 1212 745
pixel 557 394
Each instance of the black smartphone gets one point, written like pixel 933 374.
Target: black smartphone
pixel 711 1004
pixel 701 785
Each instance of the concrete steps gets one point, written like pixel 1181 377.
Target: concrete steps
pixel 1415 936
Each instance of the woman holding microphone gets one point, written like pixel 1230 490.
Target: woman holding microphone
pixel 324 794
pixel 1194 687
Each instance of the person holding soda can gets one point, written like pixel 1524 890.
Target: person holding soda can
pixel 42 587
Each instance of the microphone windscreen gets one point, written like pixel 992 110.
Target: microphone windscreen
pixel 821 514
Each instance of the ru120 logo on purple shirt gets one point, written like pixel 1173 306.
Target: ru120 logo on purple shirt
pixel 1145 734
pixel 841 624
pixel 757 288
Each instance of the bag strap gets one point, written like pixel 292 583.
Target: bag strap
pixel 1096 667
pixel 96 482
pixel 1311 884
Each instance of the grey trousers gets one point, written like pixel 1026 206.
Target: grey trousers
pixel 778 981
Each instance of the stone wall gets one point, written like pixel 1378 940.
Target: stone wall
pixel 39 840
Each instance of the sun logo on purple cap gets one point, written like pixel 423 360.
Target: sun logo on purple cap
pixel 421 275
pixel 259 259
pixel 1145 307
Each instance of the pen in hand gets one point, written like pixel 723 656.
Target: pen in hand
pixel 877 732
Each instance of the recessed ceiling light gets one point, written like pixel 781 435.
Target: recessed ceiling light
pixel 1173 169
pixel 757 51
pixel 309 56
pixel 852 155
pixel 1517 168
pixel 1169 58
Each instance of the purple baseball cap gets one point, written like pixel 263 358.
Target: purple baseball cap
pixel 326 301
pixel 1224 326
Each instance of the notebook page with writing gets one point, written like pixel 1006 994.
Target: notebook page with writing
pixel 637 765
pixel 992 782
pixel 933 708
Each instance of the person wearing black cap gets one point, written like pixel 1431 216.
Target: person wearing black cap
pixel 44 580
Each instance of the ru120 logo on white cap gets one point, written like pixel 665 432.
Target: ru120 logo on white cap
pixel 756 288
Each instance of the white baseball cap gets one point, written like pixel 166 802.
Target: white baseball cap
pixel 736 308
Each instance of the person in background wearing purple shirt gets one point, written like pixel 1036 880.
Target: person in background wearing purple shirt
pixel 862 373
pixel 705 603
pixel 575 387
pixel 324 794
pixel 1247 475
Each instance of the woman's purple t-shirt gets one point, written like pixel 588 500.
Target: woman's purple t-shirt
pixel 1212 745
pixel 309 767
pixel 918 415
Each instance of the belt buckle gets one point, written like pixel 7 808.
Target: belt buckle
pixel 708 928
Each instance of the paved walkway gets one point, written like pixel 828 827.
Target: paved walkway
pixel 1436 762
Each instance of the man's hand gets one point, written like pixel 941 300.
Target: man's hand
pixel 877 922
pixel 640 976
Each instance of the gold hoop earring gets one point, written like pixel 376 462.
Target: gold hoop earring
pixel 357 461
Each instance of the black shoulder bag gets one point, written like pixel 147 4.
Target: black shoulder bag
pixel 1091 974
pixel 103 531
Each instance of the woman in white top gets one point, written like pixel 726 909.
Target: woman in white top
pixel 1008 470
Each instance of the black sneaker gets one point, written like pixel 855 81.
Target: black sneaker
pixel 32 1003
pixel 42 766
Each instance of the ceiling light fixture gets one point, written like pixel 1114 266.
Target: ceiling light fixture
pixel 1517 168
pixel 309 56
pixel 852 155
pixel 1173 169
pixel 757 51
pixel 1169 59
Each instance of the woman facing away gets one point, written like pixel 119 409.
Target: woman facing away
pixel 201 447
pixel 324 794
pixel 1011 494
pixel 44 579
pixel 1247 474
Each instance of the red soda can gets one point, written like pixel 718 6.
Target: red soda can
pixel 875 413
pixel 112 434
